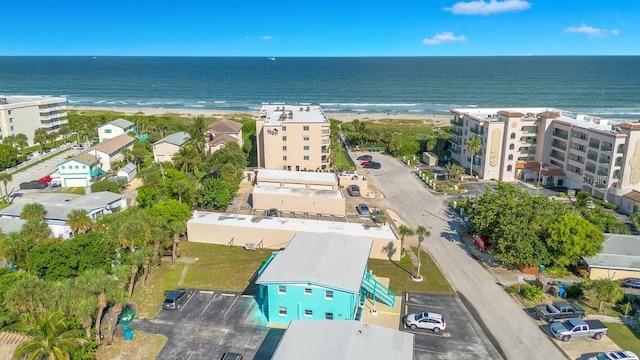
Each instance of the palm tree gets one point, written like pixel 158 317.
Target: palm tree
pixel 79 221
pixel 40 137
pixel 607 290
pixel 474 144
pixel 404 230
pixel 64 131
pixel 422 232
pixel 21 141
pixel 32 211
pixel 196 132
pixel 5 177
pixel 187 160
pixel 51 337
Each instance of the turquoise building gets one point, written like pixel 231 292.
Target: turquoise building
pixel 318 277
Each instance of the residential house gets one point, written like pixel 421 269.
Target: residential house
pixel 128 172
pixel 25 114
pixel 318 277
pixel 619 258
pixel 348 339
pixel 79 171
pixel 165 148
pixel 111 150
pixel 57 207
pixel 293 138
pixel 115 128
pixel 221 133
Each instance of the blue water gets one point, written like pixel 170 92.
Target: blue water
pixel 607 86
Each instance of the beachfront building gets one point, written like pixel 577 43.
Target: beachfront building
pixel 165 148
pixel 221 133
pixel 552 147
pixel 349 339
pixel 57 207
pixel 79 171
pixel 298 192
pixel 25 114
pixel 115 128
pixel 111 150
pixel 318 277
pixel 293 138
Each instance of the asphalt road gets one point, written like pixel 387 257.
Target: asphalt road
pixel 513 333
pixel 38 171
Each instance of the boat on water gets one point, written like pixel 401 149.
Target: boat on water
pixel 272 58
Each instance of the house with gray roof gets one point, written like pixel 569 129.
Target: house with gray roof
pixel 325 339
pixel 165 148
pixel 115 128
pixel 318 277
pixel 221 133
pixel 619 258
pixel 111 150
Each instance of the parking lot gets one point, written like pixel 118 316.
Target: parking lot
pixel 211 323
pixel 462 339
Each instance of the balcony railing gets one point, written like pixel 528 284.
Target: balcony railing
pixel 616 177
pixel 594 145
pixel 618 162
pixel 558 145
pixel 602 173
pixel 477 131
pixel 454 150
pixel 591 169
pixel 561 134
pixel 456 131
pixel 456 123
pixel 620 150
pixel 592 157
pixel 606 148
pixel 530 141
pixel 605 161
pixel 455 140
pixel 557 156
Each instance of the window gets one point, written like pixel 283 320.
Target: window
pixel 62 167
pixel 328 295
pixel 510 156
pixel 513 135
pixel 328 316
pixel 77 167
pixel 306 157
pixel 305 138
pixel 509 168
pixel 511 147
pixel 284 167
pixel 282 311
pixel 11 120
pixel 284 128
pixel 284 138
pixel 308 313
pixel 84 166
pixel 11 127
pixel 284 148
pixel 305 128
pixel 284 158
pixel 107 131
pixel 308 291
pixel 282 289
pixel 9 112
pixel 306 147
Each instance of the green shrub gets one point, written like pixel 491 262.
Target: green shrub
pixel 575 291
pixel 512 289
pixel 104 185
pixel 531 292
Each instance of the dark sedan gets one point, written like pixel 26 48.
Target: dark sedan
pixel 372 165
pixel 633 283
pixel 32 185
pixel 365 157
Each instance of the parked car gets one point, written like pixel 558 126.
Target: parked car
pixel 616 355
pixel 34 155
pixel 34 184
pixel 363 210
pixel 364 163
pixel 55 183
pixel 573 328
pixel 174 300
pixel 77 147
pixel 426 320
pixel 45 179
pixel 365 157
pixel 558 310
pixel 232 356
pixel 372 165
pixel 633 283
pixel 272 212
pixel 353 190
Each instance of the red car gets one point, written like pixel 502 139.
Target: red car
pixel 365 163
pixel 46 179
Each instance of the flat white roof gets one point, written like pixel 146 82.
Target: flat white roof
pixel 306 177
pixel 281 114
pixel 332 260
pixel 334 194
pixel 589 122
pixel 294 225
pixel 18 101
pixel 346 339
pixel 483 113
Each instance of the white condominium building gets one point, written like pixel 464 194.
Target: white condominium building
pixel 25 114
pixel 552 146
pixel 293 137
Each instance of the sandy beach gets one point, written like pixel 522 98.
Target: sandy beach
pixel 345 117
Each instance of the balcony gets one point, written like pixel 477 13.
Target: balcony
pixel 455 140
pixel 591 169
pixel 529 141
pixel 530 130
pixel 606 148
pixel 457 122
pixel 620 150
pixel 456 131
pixel 605 161
pixel 593 158
pixel 561 134
pixel 603 173
pixel 594 145
pixel 477 130
pixel 559 145
pixel 557 156
pixel 454 150
pixel 616 176
pixel 618 162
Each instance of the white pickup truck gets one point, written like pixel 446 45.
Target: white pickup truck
pixel 578 328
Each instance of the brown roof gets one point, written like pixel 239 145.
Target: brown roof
pixel 87 158
pixel 222 139
pixel 548 115
pixel 549 170
pixel 633 195
pixel 510 114
pixel 630 126
pixel 225 127
pixel 112 146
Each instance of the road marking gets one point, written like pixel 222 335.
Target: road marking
pixel 209 303
pixel 191 296
pixel 223 294
pixel 229 309
pixel 429 351
pixel 429 333
pixel 416 304
pixel 247 296
pixel 206 292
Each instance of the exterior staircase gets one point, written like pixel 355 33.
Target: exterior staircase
pixel 378 291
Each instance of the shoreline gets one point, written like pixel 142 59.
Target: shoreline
pixel 344 117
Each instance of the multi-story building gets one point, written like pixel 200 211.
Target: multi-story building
pixel 291 137
pixel 25 114
pixel 551 146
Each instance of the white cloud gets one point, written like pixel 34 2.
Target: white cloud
pixel 590 31
pixel 266 37
pixel 443 37
pixel 481 7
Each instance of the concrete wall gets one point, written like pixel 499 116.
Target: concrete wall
pixel 613 274
pixel 164 152
pixel 352 178
pixel 301 204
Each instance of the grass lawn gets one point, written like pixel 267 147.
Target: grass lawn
pixel 626 337
pixel 143 346
pixel 341 160
pixel 399 274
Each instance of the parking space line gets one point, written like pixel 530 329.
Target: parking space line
pixel 209 303
pixel 422 333
pixel 431 306
pixel 206 292
pixel 223 294
pixel 188 300
pixel 247 296
pixel 230 307
pixel 429 351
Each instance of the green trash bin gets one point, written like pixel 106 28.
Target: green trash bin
pixel 126 316
pixel 128 332
pixel 541 268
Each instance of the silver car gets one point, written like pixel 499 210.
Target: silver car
pixel 426 320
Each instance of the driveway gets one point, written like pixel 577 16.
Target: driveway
pixel 512 332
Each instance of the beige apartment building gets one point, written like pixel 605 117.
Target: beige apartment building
pixel 553 147
pixel 293 138
pixel 25 114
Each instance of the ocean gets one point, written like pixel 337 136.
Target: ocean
pixel 606 86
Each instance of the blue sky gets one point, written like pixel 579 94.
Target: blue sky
pixel 319 28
